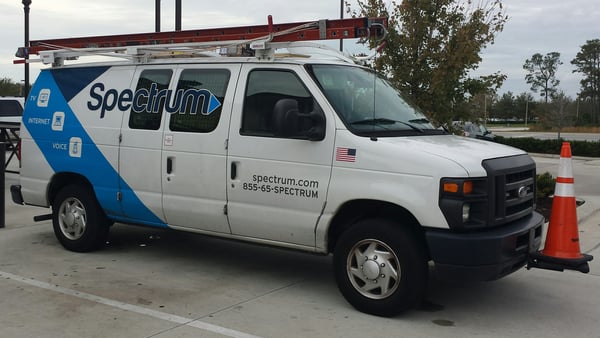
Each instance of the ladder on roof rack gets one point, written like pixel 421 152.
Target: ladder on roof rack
pixel 56 50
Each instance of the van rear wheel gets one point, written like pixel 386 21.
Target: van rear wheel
pixel 380 267
pixel 78 220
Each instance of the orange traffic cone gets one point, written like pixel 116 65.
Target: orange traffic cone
pixel 561 250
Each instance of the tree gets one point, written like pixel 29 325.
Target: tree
pixel 479 107
pixel 9 88
pixel 558 114
pixel 433 45
pixel 525 104
pixel 505 107
pixel 587 62
pixel 542 73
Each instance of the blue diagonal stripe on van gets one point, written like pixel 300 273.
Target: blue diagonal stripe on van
pixel 89 162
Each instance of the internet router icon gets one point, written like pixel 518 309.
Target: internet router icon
pixel 58 121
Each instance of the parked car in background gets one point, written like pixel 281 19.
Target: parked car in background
pixel 11 109
pixel 476 130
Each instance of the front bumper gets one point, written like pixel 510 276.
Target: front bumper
pixel 485 255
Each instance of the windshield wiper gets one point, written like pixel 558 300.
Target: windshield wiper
pixel 386 121
pixel 374 121
pixel 421 120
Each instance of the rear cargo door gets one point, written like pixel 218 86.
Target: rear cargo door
pixel 140 158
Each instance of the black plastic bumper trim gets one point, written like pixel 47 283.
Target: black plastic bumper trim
pixel 485 255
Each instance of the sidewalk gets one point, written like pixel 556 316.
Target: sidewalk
pixel 588 215
pixel 496 128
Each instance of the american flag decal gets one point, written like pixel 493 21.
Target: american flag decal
pixel 345 154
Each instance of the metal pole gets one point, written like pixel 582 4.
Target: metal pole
pixel 526 111
pixel 177 15
pixel 485 109
pixel 341 17
pixel 2 183
pixel 157 16
pixel 26 4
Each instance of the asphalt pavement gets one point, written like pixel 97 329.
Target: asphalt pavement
pixel 156 283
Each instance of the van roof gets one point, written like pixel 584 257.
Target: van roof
pixel 298 53
pixel 285 57
pixel 13 98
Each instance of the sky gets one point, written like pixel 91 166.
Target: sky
pixel 534 26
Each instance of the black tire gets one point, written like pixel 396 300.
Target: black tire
pixel 380 267
pixel 78 220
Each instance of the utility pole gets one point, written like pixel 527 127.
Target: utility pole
pixel 177 15
pixel 26 4
pixel 526 110
pixel 157 16
pixel 341 17
pixel 485 109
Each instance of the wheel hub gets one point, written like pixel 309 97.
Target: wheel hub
pixel 72 218
pixel 371 269
pixel 69 219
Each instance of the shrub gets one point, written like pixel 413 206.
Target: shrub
pixel 532 145
pixel 545 184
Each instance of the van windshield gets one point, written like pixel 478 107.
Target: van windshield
pixel 368 104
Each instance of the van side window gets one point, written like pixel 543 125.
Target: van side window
pixel 150 119
pixel 197 90
pixel 264 89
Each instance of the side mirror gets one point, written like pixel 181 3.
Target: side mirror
pixel 288 121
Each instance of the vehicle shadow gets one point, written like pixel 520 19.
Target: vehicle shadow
pixel 199 254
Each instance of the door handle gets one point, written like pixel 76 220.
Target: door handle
pixel 169 165
pixel 233 172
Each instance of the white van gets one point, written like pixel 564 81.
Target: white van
pixel 306 152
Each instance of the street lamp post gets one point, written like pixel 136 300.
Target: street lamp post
pixel 26 4
pixel 485 109
pixel 526 110
pixel 177 15
pixel 341 17
pixel 157 16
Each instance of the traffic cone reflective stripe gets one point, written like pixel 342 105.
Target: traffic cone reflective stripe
pixel 564 188
pixel 561 250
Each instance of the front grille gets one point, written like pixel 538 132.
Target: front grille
pixel 511 187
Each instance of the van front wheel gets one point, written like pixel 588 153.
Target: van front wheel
pixel 78 221
pixel 380 268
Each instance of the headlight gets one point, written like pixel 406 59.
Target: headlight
pixel 466 212
pixel 464 202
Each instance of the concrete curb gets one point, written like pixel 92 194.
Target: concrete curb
pixel 582 158
pixel 590 209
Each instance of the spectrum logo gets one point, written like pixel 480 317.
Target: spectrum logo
pixel 152 100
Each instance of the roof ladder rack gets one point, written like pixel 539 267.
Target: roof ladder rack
pixel 142 46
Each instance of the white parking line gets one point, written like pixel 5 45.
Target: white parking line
pixel 129 307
